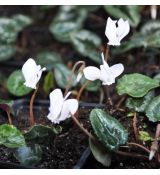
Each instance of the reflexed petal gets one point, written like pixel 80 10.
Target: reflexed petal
pixel 117 69
pixel 29 68
pixel 69 106
pixel 106 76
pixel 91 73
pixel 111 32
pixel 123 29
pixel 32 73
pixel 56 103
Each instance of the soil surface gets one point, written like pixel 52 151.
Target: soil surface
pixel 62 152
pixel 68 146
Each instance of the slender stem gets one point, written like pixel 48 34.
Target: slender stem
pixel 106 88
pixel 81 89
pixel 82 128
pixel 107 52
pixel 120 102
pixel 9 117
pixel 101 97
pixel 31 115
pixel 140 146
pixel 135 126
pixel 71 77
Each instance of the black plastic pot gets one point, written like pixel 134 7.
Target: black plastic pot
pixel 38 105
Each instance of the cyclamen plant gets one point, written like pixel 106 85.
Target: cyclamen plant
pixel 109 135
pixel 62 108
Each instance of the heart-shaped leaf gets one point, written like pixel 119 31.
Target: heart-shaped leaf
pixel 11 26
pixel 62 75
pixel 11 137
pixel 68 20
pixel 87 43
pixel 15 84
pixel 139 104
pixel 48 59
pixel 100 153
pixel 6 51
pixel 39 134
pixel 22 21
pixel 108 130
pixel 136 85
pixel 30 155
pixel 153 109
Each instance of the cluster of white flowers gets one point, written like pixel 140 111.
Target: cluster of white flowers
pixel 108 74
pixel 61 108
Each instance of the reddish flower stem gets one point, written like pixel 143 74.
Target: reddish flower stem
pixel 71 77
pixel 31 115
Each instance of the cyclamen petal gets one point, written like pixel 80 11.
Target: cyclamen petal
pixel 123 29
pixel 69 107
pixel 91 73
pixel 32 73
pixel 116 34
pixel 60 108
pixel 106 74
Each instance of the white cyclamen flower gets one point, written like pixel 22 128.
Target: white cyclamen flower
pixel 116 33
pixel 61 108
pixel 106 74
pixel 32 73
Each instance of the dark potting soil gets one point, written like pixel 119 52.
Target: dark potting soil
pixel 62 152
pixel 69 145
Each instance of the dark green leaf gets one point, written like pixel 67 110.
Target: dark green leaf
pixel 136 85
pixel 8 32
pixel 62 75
pixel 21 21
pixel 68 20
pixel 11 26
pixel 139 104
pixel 100 153
pixel 87 43
pixel 48 82
pixel 153 109
pixel 108 130
pixel 6 52
pixel 11 137
pixel 29 155
pixel 15 84
pixel 48 59
pixel 39 134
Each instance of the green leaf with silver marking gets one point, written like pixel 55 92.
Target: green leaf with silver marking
pixel 108 130
pixel 153 109
pixel 136 85
pixel 139 104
